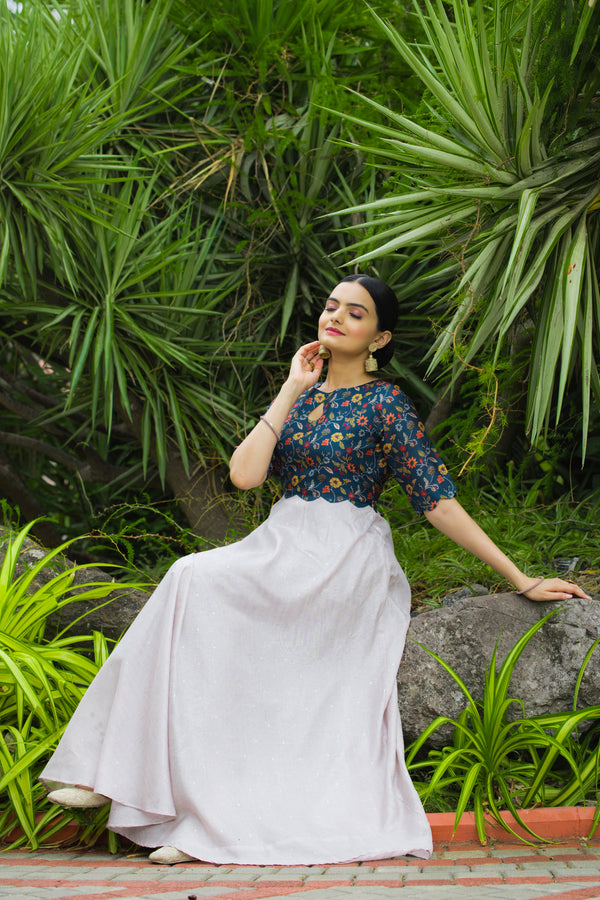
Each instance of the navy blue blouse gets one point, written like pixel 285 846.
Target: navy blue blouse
pixel 363 436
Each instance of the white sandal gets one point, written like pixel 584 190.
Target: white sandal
pixel 170 856
pixel 79 798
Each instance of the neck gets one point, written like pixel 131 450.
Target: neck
pixel 346 375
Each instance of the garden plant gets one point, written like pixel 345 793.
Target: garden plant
pixel 42 679
pixel 499 762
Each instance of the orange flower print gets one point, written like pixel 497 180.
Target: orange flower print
pixel 390 417
pixel 362 420
pixel 411 462
pixel 325 489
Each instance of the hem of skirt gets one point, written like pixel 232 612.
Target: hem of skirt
pixel 160 818
pixel 250 857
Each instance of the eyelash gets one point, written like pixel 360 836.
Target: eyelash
pixel 353 314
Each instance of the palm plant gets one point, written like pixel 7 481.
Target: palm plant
pixel 163 232
pixel 496 185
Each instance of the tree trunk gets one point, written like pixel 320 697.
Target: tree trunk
pixel 208 507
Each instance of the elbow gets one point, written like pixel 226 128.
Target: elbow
pixel 243 480
pixel 441 511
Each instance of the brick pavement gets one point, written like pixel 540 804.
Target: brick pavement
pixel 566 871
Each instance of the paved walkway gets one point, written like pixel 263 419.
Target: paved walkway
pixel 566 871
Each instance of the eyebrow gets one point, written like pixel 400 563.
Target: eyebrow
pixel 360 306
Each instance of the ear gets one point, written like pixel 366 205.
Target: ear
pixel 382 339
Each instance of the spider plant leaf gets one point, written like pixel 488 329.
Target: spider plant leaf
pixel 466 792
pixel 453 675
pixel 581 672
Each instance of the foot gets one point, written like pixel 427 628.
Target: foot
pixel 78 798
pixel 170 856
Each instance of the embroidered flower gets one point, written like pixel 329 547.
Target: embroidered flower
pixel 337 437
pixel 335 483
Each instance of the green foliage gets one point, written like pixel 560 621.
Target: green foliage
pixel 42 680
pixel 167 168
pixel 496 762
pixel 530 527
pixel 498 192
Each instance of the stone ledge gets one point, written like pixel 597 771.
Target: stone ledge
pixel 553 823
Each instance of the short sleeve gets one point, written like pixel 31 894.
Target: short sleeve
pixel 411 457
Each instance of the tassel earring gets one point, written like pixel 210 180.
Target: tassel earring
pixel 371 362
pixel 324 353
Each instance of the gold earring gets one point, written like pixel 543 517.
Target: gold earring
pixel 324 353
pixel 371 362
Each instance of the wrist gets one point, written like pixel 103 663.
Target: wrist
pixel 527 583
pixel 291 389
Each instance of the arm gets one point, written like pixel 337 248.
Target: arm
pixel 250 461
pixel 452 520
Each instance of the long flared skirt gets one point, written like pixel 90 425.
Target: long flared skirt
pixel 249 714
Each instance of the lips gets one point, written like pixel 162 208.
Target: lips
pixel 331 330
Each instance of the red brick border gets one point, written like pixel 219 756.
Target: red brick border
pixel 550 823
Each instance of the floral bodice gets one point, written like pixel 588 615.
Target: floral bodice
pixel 363 436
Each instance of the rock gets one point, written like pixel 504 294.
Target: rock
pixel 464 636
pixel 111 615
pixel 469 590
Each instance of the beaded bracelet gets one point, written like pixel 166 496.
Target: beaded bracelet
pixel 532 586
pixel 268 424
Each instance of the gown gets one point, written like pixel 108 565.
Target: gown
pixel 249 715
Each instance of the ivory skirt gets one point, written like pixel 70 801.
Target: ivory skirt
pixel 250 714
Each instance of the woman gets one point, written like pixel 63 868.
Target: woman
pixel 250 715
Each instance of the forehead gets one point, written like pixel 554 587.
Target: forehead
pixel 351 292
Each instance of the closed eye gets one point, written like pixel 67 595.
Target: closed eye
pixel 355 315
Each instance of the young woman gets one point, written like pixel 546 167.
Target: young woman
pixel 250 715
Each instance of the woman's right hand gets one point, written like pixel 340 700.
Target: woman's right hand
pixel 306 366
pixel 250 461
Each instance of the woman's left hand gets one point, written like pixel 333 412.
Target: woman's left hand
pixel 554 589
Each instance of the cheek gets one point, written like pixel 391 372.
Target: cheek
pixel 364 330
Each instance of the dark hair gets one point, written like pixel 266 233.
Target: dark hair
pixel 386 304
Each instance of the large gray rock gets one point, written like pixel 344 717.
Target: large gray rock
pixel 464 637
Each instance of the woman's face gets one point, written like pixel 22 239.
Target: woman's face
pixel 348 324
